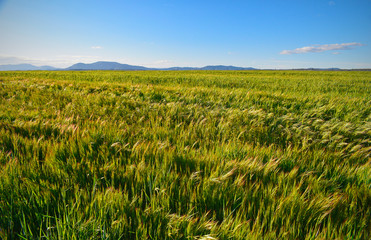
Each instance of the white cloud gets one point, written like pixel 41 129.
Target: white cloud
pixel 322 48
pixel 96 47
pixel 163 62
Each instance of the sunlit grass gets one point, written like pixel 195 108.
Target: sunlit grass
pixel 185 155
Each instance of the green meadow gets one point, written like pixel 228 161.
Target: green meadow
pixel 185 155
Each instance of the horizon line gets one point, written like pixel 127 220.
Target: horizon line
pixel 172 68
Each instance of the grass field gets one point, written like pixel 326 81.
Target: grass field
pixel 185 155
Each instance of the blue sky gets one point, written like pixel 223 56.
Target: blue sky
pixel 164 33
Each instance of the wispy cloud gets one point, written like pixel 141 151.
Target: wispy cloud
pixel 96 47
pixel 322 48
pixel 162 62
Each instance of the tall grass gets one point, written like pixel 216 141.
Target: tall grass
pixel 185 155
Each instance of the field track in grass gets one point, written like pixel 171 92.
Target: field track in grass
pixel 185 155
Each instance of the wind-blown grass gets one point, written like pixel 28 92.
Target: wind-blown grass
pixel 185 155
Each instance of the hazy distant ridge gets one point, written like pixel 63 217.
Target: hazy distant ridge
pixel 119 66
pixel 105 66
pixel 102 65
pixel 24 67
pixel 112 66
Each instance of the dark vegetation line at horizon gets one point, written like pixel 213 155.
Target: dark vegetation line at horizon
pixel 185 154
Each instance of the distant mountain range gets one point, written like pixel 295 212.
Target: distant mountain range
pixel 105 66
pixel 111 66
pixel 24 67
pixel 119 66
